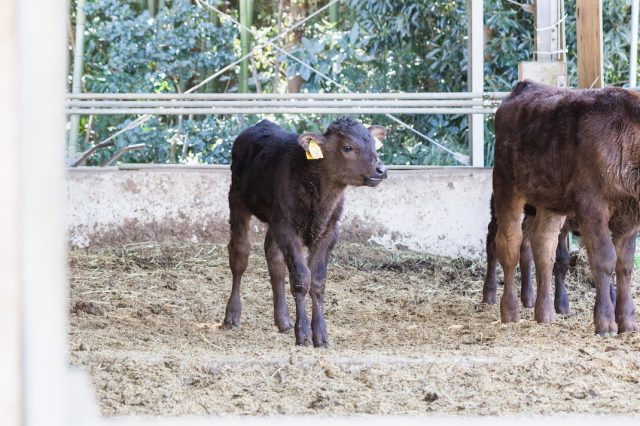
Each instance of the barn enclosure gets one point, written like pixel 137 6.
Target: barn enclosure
pixel 115 173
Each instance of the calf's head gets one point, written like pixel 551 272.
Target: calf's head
pixel 349 152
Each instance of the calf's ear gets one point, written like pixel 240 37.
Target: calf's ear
pixel 305 139
pixel 378 132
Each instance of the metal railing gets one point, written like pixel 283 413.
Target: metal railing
pixel 291 103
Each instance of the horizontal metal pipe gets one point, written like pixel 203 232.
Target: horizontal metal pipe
pixel 270 96
pixel 260 104
pixel 208 111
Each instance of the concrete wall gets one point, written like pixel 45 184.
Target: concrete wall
pixel 441 211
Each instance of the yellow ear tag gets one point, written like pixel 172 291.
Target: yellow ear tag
pixel 314 152
pixel 378 143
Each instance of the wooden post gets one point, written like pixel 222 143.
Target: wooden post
pixel 475 77
pixel 10 366
pixel 589 29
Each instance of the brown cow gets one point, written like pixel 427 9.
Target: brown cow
pixel 301 200
pixel 570 151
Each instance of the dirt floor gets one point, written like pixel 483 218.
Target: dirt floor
pixel 408 335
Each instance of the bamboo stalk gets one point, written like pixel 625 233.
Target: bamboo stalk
pixel 78 64
pixel 243 86
pixel 151 4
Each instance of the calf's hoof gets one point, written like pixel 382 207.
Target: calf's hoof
pixel 303 333
pixel 509 309
pixel 285 325
pixel 561 306
pixel 489 294
pixel 489 299
pixel 321 343
pixel 606 328
pixel 231 323
pixel 604 318
pixel 627 323
pixel 528 299
pixel 543 311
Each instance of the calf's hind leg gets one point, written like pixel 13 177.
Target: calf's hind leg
pixel 560 268
pixel 277 273
pixel 490 282
pixel 527 294
pixel 625 310
pixel 544 240
pixel 594 229
pixel 239 248
pixel 508 240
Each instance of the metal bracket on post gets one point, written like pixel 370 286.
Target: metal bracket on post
pixel 475 77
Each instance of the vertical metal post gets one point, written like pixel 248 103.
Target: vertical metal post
pixel 41 82
pixel 475 77
pixel 633 56
pixel 10 365
pixel 78 64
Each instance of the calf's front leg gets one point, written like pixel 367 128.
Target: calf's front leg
pixel 299 280
pixel 318 259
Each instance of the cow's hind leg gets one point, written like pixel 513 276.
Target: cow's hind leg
pixel 239 249
pixel 527 293
pixel 490 282
pixel 594 229
pixel 544 240
pixel 508 240
pixel 277 273
pixel 625 310
pixel 560 268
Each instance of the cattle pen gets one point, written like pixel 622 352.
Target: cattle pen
pixel 117 269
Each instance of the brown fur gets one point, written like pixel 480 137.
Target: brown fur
pixel 570 152
pixel 301 200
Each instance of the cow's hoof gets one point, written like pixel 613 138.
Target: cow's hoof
pixel 543 310
pixel 528 299
pixel 606 329
pixel 285 325
pixel 489 293
pixel 303 333
pixel 561 307
pixel 229 324
pixel 509 309
pixel 627 325
pixel 303 341
pixel 320 341
pixel 604 319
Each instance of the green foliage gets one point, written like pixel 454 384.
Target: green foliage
pixel 376 46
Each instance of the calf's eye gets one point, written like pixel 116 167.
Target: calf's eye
pixel 347 148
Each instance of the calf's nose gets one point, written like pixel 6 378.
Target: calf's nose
pixel 381 169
